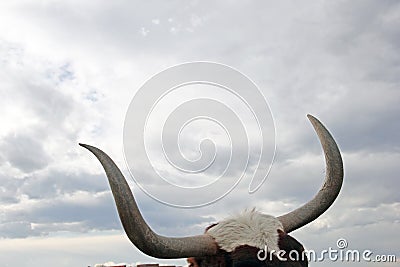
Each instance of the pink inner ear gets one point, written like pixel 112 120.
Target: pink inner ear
pixel 280 232
pixel 192 262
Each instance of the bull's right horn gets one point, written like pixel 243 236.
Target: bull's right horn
pixel 141 235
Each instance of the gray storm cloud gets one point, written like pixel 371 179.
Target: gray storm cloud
pixel 68 71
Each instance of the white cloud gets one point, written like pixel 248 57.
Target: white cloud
pixel 68 71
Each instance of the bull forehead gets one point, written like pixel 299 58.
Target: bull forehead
pixel 250 228
pixel 241 237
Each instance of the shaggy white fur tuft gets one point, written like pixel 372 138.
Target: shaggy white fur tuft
pixel 250 228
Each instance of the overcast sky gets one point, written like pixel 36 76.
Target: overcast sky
pixel 69 69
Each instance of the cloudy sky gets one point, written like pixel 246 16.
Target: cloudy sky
pixel 69 70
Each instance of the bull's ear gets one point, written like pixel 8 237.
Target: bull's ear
pixel 288 244
pixel 192 262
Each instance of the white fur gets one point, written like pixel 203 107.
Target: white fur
pixel 248 228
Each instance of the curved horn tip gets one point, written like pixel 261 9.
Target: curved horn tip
pixel 318 126
pixel 90 148
pixel 83 145
pixel 312 118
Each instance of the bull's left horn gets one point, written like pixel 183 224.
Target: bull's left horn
pixel 141 235
pixel 329 190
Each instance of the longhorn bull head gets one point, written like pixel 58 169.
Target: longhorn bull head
pixel 235 241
